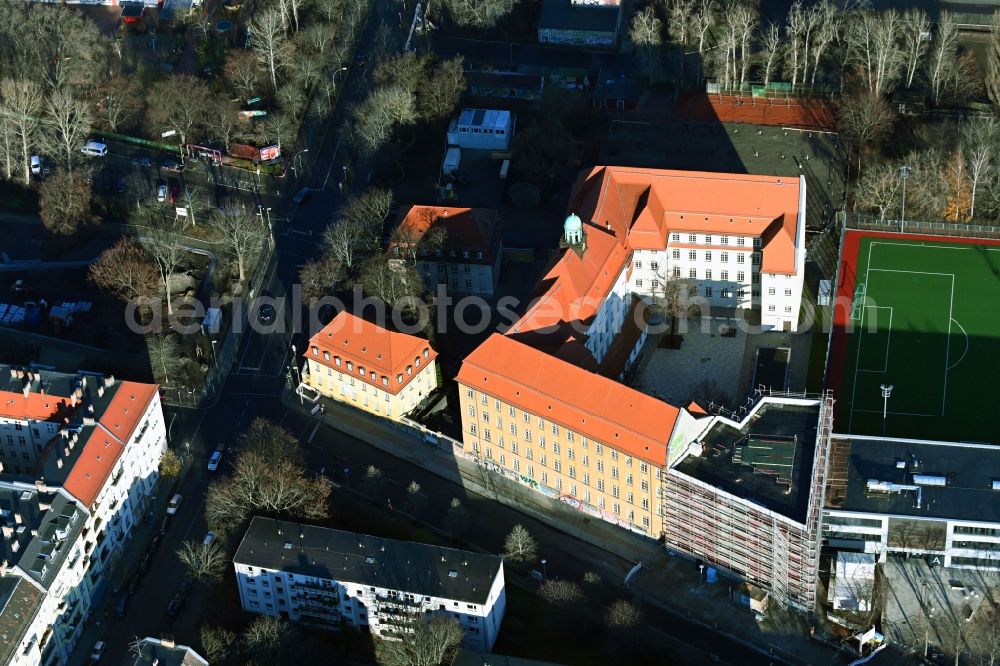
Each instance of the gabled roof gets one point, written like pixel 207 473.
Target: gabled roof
pixel 642 206
pixel 19 603
pixel 572 397
pixel 101 450
pixel 469 230
pixel 121 417
pixel 396 357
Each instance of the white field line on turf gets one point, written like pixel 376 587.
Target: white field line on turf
pixel 967 343
pixel 857 358
pixel 947 353
pixel 879 411
pixel 888 337
pixel 940 247
pixel 892 270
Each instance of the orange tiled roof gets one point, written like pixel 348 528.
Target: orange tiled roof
pixel 36 407
pixel 642 206
pixel 107 441
pixel 385 353
pixel 468 229
pixel 93 468
pixel 585 402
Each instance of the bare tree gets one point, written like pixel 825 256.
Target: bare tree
pixel 865 118
pixel 393 281
pixel 181 103
pixel 520 546
pixel 127 271
pixel 745 16
pixel 265 634
pixel 358 227
pixel 645 31
pixel 383 110
pixel 993 61
pixel 671 296
pixel 440 93
pixel 702 22
pixel 877 188
pixel 680 12
pixel 204 561
pixel 243 70
pixel 979 140
pixel 164 357
pixel 943 60
pixel 421 642
pixel 771 50
pixel 64 202
pixel 319 277
pixel 623 614
pixel 916 31
pixel 826 21
pixel 20 108
pixel 216 642
pixel 478 13
pixel 797 24
pixel 194 202
pixel 120 100
pixel 873 45
pixel 244 234
pixel 268 41
pixel 163 242
pixel 560 592
pixel 68 122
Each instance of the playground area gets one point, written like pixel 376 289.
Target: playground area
pixel 914 350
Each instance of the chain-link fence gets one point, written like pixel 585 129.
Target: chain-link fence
pixel 956 229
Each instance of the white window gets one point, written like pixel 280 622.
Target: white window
pixel 726 293
pixel 708 273
pixel 675 237
pixel 708 240
pixel 654 265
pixel 693 273
pixel 708 256
pixel 740 240
pixel 741 276
pixel 724 258
pixel 725 275
pixel 692 255
pixel 724 240
pixel 676 254
pixel 655 284
pixel 692 238
pixel 770 308
pixel 677 271
pixel 788 292
pixel 770 291
pixel 741 258
pixel 788 308
pixel 638 282
pixel 638 264
pixel 708 292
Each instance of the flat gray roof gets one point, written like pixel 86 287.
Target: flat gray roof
pixel 348 557
pixel 768 462
pixel 968 471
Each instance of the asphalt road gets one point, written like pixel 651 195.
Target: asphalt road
pixel 511 54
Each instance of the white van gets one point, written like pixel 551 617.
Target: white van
pixel 94 149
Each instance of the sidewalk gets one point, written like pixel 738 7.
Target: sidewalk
pixel 670 583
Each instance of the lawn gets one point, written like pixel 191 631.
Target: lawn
pixel 921 321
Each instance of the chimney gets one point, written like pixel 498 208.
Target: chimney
pixel 8 531
pixel 72 400
pixel 90 409
pixel 18 518
pixel 83 381
pixel 66 451
pixel 13 373
pixel 59 464
pixel 26 390
pixel 109 380
pixel 100 391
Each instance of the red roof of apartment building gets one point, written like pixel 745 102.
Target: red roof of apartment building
pixel 468 230
pixel 643 206
pixel 385 359
pixel 583 401
pixel 107 440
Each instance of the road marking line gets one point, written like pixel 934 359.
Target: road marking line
pixel 313 433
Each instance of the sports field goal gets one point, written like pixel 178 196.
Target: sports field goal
pixel 858 304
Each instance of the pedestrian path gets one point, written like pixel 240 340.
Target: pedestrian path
pixel 673 584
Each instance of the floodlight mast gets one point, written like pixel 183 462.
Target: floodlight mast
pixel 886 392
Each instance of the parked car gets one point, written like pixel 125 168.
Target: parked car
pixel 214 461
pixel 175 191
pixel 94 149
pixel 161 191
pixel 176 604
pixel 142 162
pixel 265 314
pixel 175 503
pixel 301 195
pixel 36 165
pixel 209 538
pixel 171 165
pixel 98 651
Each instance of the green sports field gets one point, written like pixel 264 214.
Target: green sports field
pixel 924 319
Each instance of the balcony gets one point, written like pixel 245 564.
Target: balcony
pixel 386 601
pixel 324 618
pixel 315 588
pixel 312 598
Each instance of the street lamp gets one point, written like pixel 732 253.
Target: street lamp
pixel 904 173
pixel 295 172
pixel 215 359
pixel 544 571
pixel 342 69
pixel 886 392
pixel 701 570
pixel 298 377
pixel 170 133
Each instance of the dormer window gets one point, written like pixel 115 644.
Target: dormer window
pixel 385 380
pixel 399 378
pixel 350 366
pixel 326 356
pixel 315 350
pixel 416 361
pixel 465 254
pixel 426 353
pixel 409 370
pixel 479 255
pixel 361 370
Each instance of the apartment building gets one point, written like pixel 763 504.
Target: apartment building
pixel 69 503
pixel 331 578
pixel 734 241
pixel 915 498
pixel 460 248
pixel 369 367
